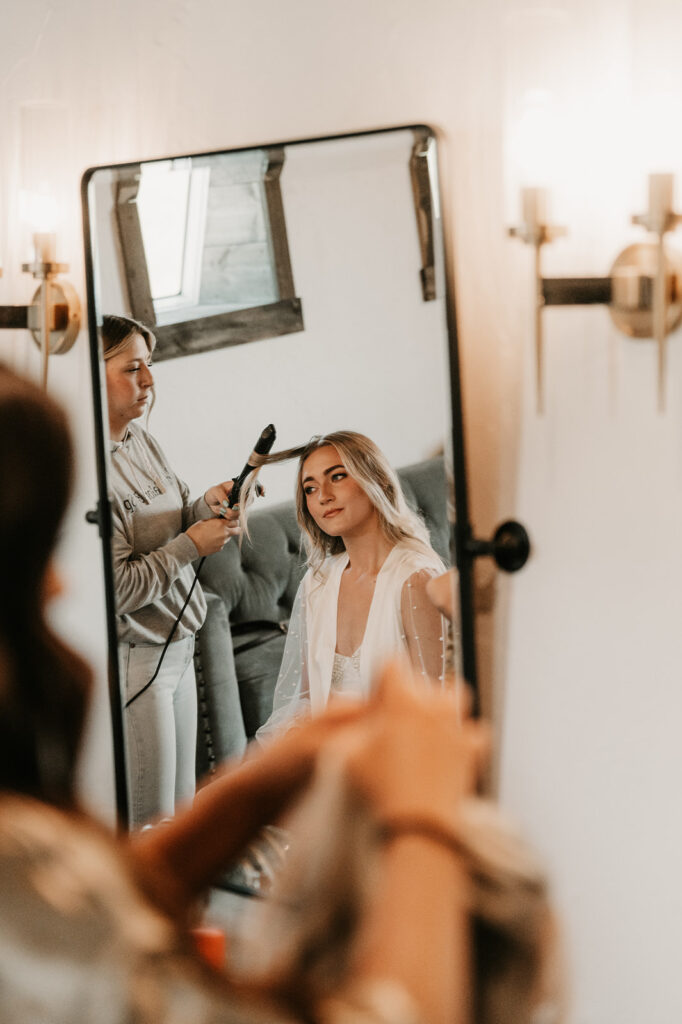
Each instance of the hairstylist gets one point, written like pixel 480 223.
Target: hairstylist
pixel 157 533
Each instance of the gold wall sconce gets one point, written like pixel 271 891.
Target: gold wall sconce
pixel 643 290
pixel 53 315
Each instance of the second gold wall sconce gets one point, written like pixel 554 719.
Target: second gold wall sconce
pixel 643 290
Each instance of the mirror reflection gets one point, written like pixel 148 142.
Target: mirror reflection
pixel 300 285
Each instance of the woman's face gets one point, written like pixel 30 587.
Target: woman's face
pixel 129 385
pixel 335 500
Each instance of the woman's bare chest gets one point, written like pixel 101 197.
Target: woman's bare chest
pixel 354 605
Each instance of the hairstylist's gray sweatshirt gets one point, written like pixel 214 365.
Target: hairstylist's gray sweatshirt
pixel 152 555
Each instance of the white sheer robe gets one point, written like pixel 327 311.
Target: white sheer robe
pixel 401 618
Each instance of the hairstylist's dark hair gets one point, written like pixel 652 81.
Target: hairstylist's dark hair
pixel 44 685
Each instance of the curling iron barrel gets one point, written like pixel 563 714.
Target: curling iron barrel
pixel 262 447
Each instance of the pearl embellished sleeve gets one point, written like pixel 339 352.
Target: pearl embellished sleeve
pixel 425 629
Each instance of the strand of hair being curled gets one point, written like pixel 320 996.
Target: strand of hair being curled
pixel 369 467
pixel 44 685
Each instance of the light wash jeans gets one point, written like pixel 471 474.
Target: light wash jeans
pixel 160 728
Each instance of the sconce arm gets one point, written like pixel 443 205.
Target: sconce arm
pixel 27 317
pixel 629 290
pixel 13 317
pixel 582 291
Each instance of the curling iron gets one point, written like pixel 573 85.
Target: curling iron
pixel 262 447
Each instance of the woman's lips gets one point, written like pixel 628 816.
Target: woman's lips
pixel 332 512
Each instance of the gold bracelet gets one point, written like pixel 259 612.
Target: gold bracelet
pixel 414 825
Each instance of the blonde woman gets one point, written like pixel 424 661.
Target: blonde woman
pixel 158 532
pixel 363 597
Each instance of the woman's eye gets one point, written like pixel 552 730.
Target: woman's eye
pixel 308 490
pixel 339 476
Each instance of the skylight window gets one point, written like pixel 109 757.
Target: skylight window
pixel 204 249
pixel 172 208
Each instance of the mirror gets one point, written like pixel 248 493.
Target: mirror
pixel 304 284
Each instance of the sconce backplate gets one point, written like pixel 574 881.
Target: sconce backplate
pixel 65 321
pixel 632 288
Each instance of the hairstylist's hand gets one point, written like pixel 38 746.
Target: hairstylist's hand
pixel 414 756
pixel 211 535
pixel 217 497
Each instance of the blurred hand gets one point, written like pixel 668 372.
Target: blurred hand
pixel 407 749
pixel 413 755
pixel 211 535
pixel 280 768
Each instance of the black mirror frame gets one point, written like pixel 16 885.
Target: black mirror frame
pixel 461 539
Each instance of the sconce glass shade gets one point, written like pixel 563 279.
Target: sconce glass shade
pixel 42 139
pixel 537 88
pixel 54 314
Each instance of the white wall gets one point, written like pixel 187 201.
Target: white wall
pixel 583 646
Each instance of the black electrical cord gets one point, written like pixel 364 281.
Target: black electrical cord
pixel 170 637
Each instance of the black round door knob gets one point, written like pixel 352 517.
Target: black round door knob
pixel 511 546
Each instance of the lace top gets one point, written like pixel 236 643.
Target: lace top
pixel 346 680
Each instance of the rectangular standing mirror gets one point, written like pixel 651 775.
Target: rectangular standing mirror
pixel 303 284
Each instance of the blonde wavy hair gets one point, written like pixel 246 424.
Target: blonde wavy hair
pixel 369 467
